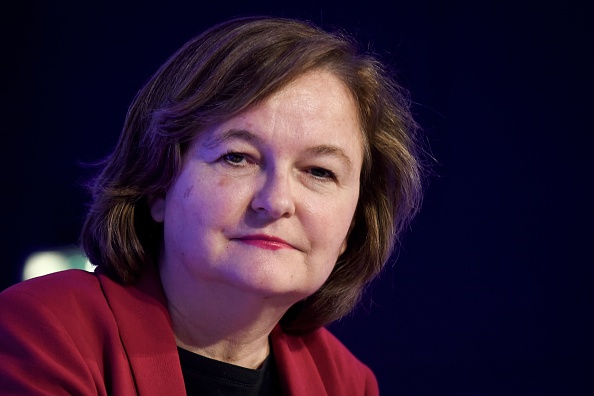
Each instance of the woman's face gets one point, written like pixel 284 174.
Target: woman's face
pixel 264 201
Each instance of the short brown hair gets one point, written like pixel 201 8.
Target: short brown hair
pixel 213 77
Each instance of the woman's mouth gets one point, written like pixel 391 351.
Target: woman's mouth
pixel 265 242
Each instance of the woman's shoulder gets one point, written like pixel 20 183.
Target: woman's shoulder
pixel 58 336
pixel 55 288
pixel 67 298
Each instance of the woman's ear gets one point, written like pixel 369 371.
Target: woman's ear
pixel 157 207
pixel 344 245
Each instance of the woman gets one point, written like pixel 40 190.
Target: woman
pixel 260 181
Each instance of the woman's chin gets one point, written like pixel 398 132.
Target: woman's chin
pixel 281 287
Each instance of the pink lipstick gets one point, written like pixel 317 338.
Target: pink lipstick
pixel 265 242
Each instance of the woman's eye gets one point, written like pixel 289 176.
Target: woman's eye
pixel 322 173
pixel 234 158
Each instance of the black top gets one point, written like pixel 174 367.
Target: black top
pixel 205 376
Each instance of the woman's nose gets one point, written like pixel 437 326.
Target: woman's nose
pixel 275 197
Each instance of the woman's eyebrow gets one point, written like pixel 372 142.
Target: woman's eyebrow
pixel 215 139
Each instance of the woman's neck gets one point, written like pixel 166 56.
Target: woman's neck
pixel 223 323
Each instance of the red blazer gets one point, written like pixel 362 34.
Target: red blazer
pixel 80 333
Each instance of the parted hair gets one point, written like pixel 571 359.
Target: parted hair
pixel 219 74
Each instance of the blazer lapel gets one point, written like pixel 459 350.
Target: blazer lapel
pixel 146 333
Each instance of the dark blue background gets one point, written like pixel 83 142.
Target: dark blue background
pixel 492 291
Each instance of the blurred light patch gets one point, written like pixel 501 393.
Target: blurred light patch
pixel 46 262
